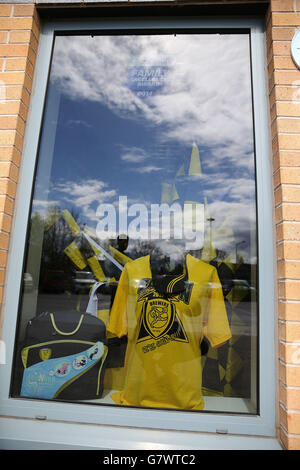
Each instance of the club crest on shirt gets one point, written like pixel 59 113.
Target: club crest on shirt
pixel 160 322
pixel 158 316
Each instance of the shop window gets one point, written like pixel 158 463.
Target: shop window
pixel 140 278
pixel 144 205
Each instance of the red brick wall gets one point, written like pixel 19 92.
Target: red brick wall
pixel 19 32
pixel 283 20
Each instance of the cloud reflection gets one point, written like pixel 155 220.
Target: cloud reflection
pixel 194 89
pixel 206 95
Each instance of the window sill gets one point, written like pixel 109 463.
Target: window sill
pixel 27 434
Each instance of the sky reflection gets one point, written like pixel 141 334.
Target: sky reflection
pixel 132 109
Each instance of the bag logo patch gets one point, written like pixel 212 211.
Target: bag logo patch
pixel 161 323
pixel 45 354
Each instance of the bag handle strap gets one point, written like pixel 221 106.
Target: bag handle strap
pixel 62 332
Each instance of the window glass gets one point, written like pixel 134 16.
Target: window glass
pixel 140 272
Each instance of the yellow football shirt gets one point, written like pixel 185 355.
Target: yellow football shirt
pixel 162 363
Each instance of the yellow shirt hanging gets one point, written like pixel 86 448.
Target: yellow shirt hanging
pixel 162 363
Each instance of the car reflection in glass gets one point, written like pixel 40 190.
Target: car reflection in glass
pixel 28 282
pixel 82 282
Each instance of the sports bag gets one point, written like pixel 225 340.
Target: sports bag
pixel 64 356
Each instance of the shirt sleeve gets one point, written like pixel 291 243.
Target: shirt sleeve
pixel 217 329
pixel 117 324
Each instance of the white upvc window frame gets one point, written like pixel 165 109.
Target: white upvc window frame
pixel 137 421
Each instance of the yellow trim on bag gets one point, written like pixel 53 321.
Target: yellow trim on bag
pixel 24 356
pixel 61 332
pixel 100 368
